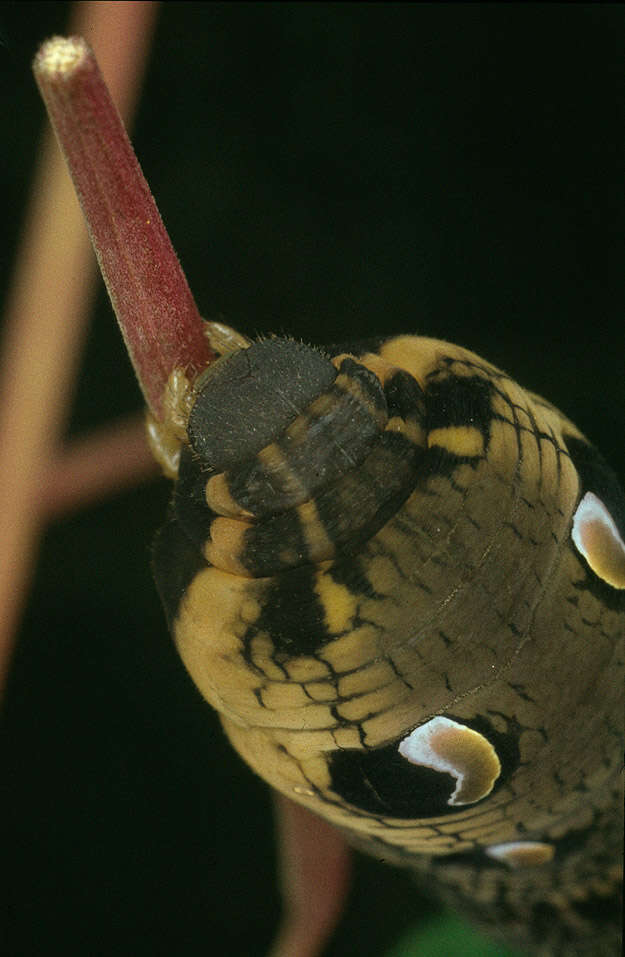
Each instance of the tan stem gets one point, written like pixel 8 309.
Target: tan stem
pixel 104 462
pixel 45 316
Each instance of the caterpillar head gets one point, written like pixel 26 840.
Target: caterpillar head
pixel 367 558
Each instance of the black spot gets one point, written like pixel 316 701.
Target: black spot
pixel 383 782
pixel 460 400
pixel 596 476
pixel 292 615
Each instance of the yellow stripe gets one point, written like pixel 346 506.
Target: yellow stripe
pixel 458 439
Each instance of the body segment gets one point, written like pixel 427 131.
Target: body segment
pixel 383 599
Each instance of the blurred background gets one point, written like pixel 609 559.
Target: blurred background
pixel 327 171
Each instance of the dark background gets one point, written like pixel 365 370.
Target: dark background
pixel 329 171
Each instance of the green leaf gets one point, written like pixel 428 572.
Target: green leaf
pixel 446 936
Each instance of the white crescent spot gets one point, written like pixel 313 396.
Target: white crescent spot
pixel 452 748
pixel 597 538
pixel 522 853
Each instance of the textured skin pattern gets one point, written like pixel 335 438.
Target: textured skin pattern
pixel 419 563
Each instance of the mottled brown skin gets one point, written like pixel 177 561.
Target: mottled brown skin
pixel 328 610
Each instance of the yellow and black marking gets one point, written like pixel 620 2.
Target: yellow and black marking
pixel 370 570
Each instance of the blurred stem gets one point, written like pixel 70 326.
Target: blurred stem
pixel 106 461
pixel 46 311
pixel 315 868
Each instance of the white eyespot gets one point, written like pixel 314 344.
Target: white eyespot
pixel 452 748
pixel 597 538
pixel 522 853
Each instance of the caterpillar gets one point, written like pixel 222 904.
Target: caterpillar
pixel 379 561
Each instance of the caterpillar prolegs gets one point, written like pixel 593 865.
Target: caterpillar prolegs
pixel 400 579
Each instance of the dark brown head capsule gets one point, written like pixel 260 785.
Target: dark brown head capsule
pixel 247 398
pixel 291 456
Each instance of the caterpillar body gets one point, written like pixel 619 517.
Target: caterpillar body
pixel 400 579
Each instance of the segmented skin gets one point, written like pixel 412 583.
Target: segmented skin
pixel 382 598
